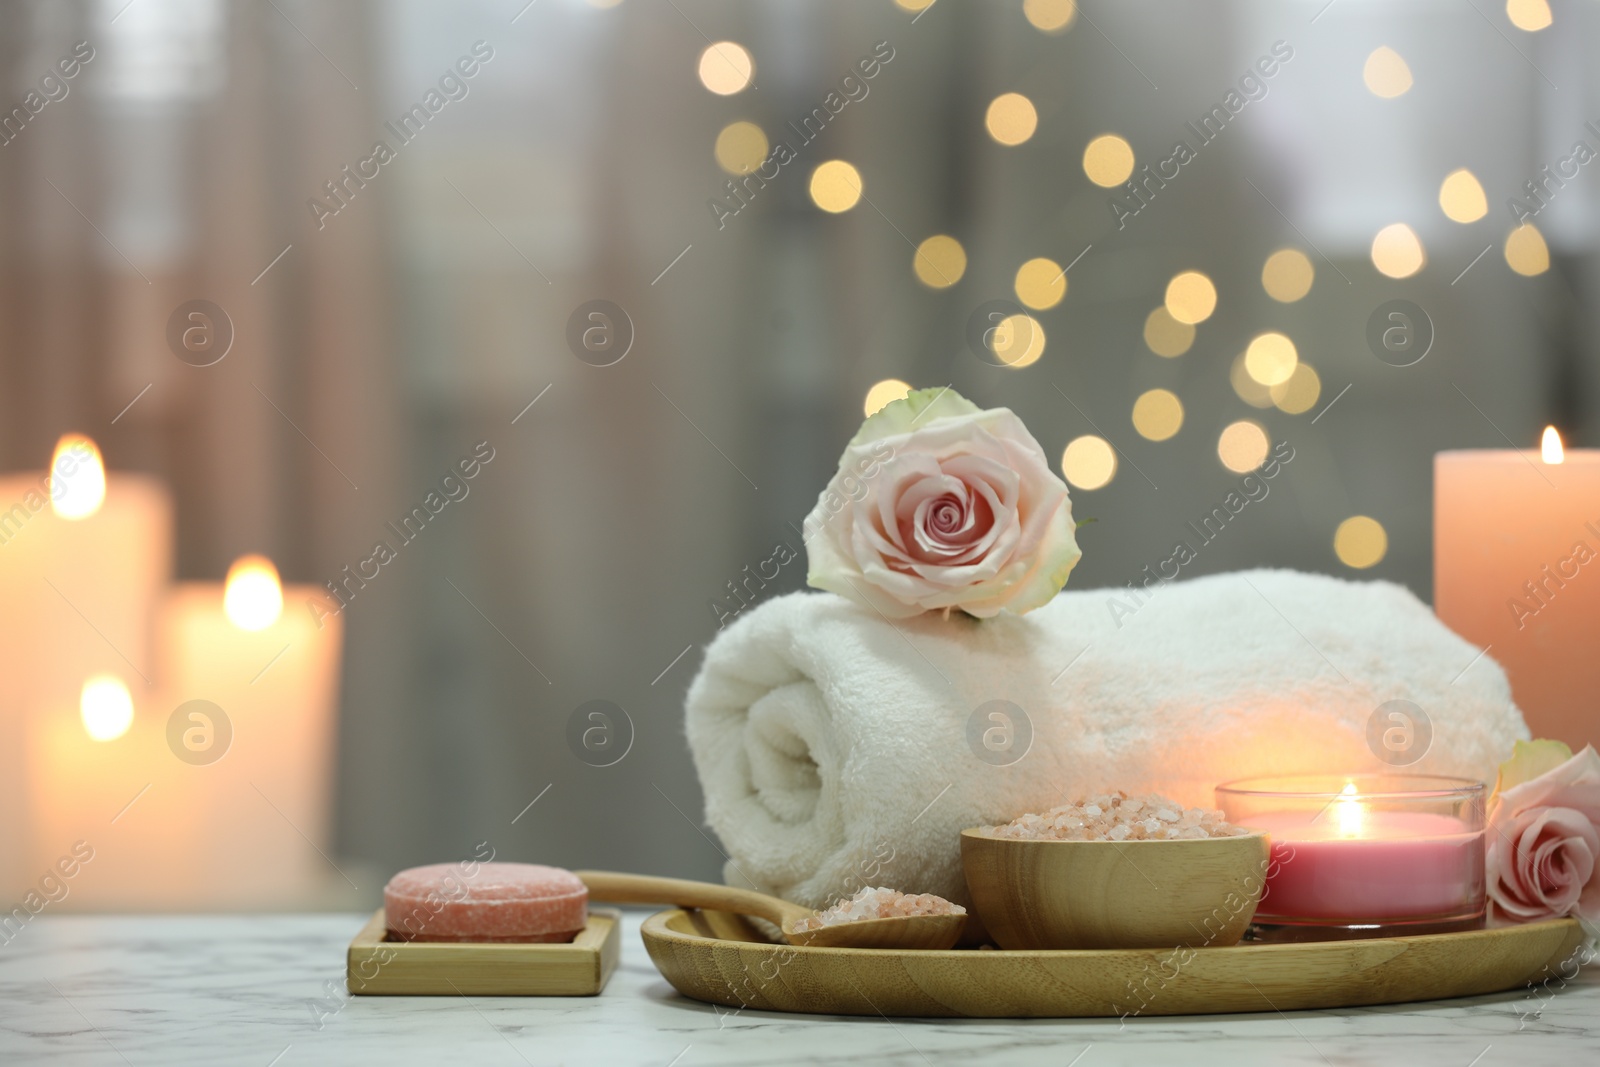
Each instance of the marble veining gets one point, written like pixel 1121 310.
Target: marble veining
pixel 269 992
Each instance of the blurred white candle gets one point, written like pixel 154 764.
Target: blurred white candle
pixel 101 775
pixel 273 673
pixel 83 559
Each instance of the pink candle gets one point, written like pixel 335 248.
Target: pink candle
pixel 1403 866
pixel 1516 570
pixel 1365 854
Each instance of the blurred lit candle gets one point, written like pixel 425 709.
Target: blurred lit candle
pixel 100 776
pixel 259 765
pixel 1517 568
pixel 83 559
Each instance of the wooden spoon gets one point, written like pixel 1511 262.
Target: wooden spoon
pixel 896 932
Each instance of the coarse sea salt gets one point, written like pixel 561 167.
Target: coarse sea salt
pixel 879 903
pixel 1119 817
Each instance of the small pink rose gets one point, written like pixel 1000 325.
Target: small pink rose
pixel 1544 844
pixel 938 504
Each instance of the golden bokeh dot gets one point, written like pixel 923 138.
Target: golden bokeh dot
pixel 1165 335
pixel 1271 358
pixel 1360 541
pixel 885 392
pixel 1287 275
pixel 835 186
pixel 1397 251
pixel 1529 15
pixel 1011 119
pixel 940 261
pixel 726 68
pixel 1386 74
pixel 1089 462
pixel 1191 297
pixel 741 147
pixel 1108 160
pixel 1041 283
pixel 1242 446
pixel 913 5
pixel 1157 414
pixel 1018 341
pixel 1051 16
pixel 1299 394
pixel 1526 252
pixel 1461 197
pixel 1247 388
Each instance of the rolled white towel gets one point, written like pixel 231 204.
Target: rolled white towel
pixel 838 749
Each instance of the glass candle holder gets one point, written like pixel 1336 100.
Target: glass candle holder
pixel 1365 855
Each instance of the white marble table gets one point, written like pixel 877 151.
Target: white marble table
pixel 269 992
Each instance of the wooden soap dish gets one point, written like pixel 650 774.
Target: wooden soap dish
pixel 377 966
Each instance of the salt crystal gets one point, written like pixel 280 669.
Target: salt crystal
pixel 880 903
pixel 1119 817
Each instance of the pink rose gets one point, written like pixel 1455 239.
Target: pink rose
pixel 1543 845
pixel 938 504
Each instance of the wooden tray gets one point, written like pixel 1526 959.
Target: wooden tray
pixel 376 966
pixel 721 958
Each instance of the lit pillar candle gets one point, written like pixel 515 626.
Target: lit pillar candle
pixel 103 795
pixel 83 559
pixel 274 675
pixel 1517 570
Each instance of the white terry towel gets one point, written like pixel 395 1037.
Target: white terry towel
pixel 833 746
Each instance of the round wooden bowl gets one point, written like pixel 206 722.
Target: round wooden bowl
pixel 1114 894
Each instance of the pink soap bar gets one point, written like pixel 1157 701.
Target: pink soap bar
pixel 485 902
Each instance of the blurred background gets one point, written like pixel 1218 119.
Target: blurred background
pixel 297 267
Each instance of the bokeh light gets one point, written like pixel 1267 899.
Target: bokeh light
pixel 940 261
pixel 726 68
pixel 1299 394
pixel 1157 414
pixel 1287 275
pixel 1461 197
pixel 1526 252
pixel 1051 16
pixel 1397 251
pixel 1040 283
pixel 1360 542
pixel 252 596
pixel 1018 341
pixel 1242 446
pixel 1271 358
pixel 1011 119
pixel 77 477
pixel 1089 462
pixel 913 5
pixel 741 147
pixel 835 186
pixel 885 392
pixel 1165 335
pixel 1386 74
pixel 106 707
pixel 1191 298
pixel 1529 15
pixel 1247 388
pixel 1108 160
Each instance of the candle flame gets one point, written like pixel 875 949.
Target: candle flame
pixel 77 477
pixel 253 597
pixel 106 707
pixel 1550 446
pixel 1350 812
